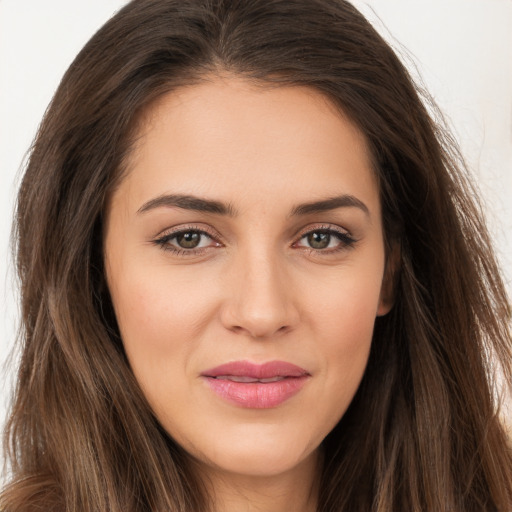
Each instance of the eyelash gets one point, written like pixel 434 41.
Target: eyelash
pixel 164 241
pixel 346 241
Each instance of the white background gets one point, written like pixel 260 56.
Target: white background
pixel 462 49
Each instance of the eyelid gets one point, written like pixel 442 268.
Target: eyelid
pixel 184 228
pixel 347 240
pixel 163 238
pixel 322 227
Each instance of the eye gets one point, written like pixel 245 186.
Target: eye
pixel 190 239
pixel 325 239
pixel 186 241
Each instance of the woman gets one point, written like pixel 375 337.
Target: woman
pixel 253 277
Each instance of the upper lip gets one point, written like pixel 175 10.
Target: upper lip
pixel 256 371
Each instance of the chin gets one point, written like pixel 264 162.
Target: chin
pixel 257 452
pixel 258 463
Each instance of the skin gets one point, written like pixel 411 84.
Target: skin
pixel 255 289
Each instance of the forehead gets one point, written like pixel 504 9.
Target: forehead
pixel 227 135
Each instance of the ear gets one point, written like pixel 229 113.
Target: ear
pixel 389 280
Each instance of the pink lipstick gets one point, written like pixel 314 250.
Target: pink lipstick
pixel 256 386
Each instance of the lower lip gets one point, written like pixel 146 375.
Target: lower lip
pixel 257 395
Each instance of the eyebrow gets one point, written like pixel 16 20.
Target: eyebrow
pixel 331 203
pixel 194 203
pixel 188 202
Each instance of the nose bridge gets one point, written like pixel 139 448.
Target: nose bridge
pixel 258 301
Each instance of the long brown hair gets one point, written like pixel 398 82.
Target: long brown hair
pixel 422 433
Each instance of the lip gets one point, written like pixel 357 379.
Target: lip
pixel 256 386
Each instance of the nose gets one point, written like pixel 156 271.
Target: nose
pixel 259 298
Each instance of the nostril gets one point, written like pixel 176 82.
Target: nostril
pixel 259 333
pixel 259 315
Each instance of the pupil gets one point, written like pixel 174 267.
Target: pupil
pixel 319 240
pixel 188 240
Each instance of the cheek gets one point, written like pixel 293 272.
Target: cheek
pixel 344 319
pixel 346 341
pixel 346 306
pixel 160 319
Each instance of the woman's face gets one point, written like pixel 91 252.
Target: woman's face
pixel 245 259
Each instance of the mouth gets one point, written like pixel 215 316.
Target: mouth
pixel 256 386
pixel 235 378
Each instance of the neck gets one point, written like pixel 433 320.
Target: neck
pixel 296 489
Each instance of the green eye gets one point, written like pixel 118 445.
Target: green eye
pixel 319 239
pixel 325 240
pixel 187 241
